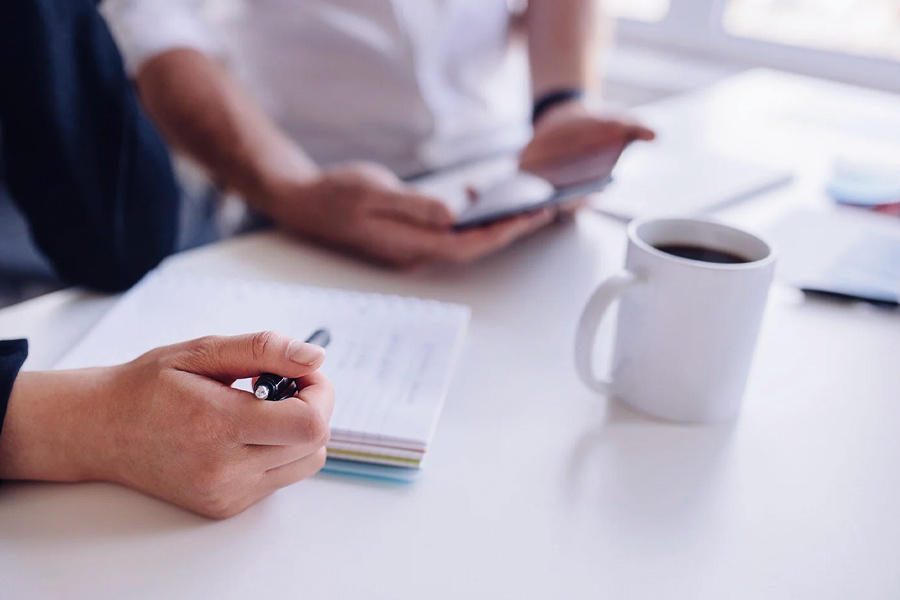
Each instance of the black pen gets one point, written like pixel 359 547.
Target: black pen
pixel 275 387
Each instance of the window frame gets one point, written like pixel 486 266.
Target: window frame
pixel 697 27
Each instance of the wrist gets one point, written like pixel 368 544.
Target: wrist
pixel 275 175
pixel 285 201
pixel 51 431
pixel 551 100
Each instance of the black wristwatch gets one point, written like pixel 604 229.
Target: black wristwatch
pixel 552 98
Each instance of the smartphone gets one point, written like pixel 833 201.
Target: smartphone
pixel 520 193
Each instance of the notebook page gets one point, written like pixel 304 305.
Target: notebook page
pixel 390 358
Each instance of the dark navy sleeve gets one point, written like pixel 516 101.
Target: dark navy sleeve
pixel 12 355
pixel 83 162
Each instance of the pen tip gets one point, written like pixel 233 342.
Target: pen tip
pixel 262 392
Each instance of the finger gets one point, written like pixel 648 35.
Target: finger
pixel 401 244
pixel 591 155
pixel 603 135
pixel 413 245
pixel 639 132
pixel 632 128
pixel 604 143
pixel 285 475
pixel 266 458
pixel 229 358
pixel 368 173
pixel 570 207
pixel 316 391
pixel 473 244
pixel 413 208
pixel 301 420
pixel 578 170
pixel 291 473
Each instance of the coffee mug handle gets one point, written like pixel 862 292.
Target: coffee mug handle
pixel 590 320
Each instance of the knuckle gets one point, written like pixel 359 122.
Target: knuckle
pixel 227 426
pixel 320 457
pixel 328 388
pixel 157 361
pixel 438 213
pixel 203 350
pixel 210 423
pixel 218 426
pixel 365 170
pixel 372 173
pixel 208 479
pixel 260 344
pixel 359 202
pixel 354 197
pixel 206 343
pixel 313 428
pixel 155 356
pixel 219 509
pixel 213 486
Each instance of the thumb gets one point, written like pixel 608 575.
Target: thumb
pixel 413 208
pixel 639 132
pixel 227 358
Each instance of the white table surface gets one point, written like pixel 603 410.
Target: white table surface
pixel 534 487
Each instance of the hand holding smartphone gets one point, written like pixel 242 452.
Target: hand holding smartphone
pixel 496 189
pixel 554 184
pixel 520 193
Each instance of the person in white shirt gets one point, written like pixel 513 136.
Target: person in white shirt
pixel 316 110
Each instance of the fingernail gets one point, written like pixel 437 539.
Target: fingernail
pixel 304 354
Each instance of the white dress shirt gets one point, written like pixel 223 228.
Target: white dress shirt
pixel 413 84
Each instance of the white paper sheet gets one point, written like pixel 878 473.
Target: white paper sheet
pixel 390 357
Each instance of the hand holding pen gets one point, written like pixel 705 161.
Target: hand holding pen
pixel 275 387
pixel 185 435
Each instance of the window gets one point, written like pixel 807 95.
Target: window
pixel 865 27
pixel 857 41
pixel 639 10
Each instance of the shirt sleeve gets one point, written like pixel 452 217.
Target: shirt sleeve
pixel 83 162
pixel 12 356
pixel 146 28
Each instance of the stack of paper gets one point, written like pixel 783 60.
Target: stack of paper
pixel 390 358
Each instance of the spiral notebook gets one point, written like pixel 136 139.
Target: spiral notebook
pixel 390 357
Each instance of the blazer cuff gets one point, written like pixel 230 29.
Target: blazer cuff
pixel 12 356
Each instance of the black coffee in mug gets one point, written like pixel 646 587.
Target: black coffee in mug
pixel 702 254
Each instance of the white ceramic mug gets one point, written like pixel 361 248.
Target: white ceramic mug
pixel 687 328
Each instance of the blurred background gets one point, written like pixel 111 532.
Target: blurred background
pixel 662 48
pixel 670 46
